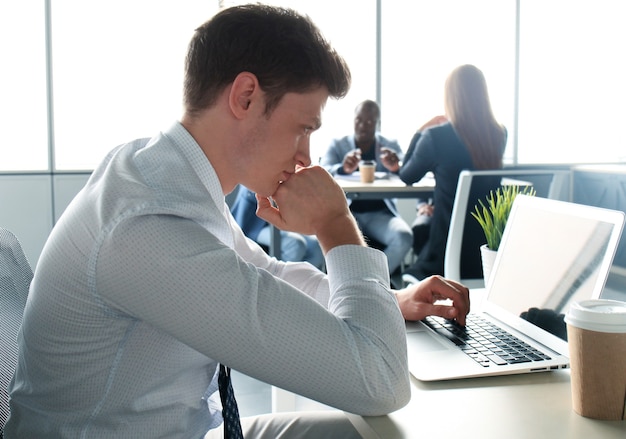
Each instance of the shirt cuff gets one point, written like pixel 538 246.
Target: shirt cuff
pixel 348 263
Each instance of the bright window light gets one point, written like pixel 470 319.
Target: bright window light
pixel 118 72
pixel 572 86
pixel 422 42
pixel 23 113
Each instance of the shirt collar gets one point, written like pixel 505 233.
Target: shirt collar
pixel 197 160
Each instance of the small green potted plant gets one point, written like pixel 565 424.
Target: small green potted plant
pixel 493 216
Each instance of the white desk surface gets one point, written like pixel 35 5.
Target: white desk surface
pixel 392 183
pixel 527 406
pixel 518 406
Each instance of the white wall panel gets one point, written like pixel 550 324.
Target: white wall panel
pixel 65 189
pixel 26 210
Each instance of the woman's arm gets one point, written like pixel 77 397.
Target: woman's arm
pixel 419 159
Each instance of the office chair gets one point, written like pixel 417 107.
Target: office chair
pixel 462 261
pixel 15 277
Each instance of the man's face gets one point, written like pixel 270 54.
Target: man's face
pixel 277 144
pixel 365 122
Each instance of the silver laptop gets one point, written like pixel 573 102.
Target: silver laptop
pixel 552 253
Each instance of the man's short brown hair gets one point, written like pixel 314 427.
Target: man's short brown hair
pixel 285 50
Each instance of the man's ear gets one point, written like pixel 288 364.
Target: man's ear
pixel 245 88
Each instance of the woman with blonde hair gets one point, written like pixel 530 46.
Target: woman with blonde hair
pixel 467 137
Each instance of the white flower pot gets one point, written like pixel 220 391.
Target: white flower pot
pixel 488 257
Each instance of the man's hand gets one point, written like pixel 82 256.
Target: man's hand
pixel 389 159
pixel 351 161
pixel 312 203
pixel 426 209
pixel 418 301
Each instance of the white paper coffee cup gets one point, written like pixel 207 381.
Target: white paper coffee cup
pixel 596 332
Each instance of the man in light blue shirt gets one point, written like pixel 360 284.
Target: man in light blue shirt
pixel 147 283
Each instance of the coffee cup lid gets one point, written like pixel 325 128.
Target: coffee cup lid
pixel 599 315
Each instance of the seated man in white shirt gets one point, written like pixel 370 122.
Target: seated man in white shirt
pixel 147 284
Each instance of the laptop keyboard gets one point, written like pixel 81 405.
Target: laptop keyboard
pixel 486 343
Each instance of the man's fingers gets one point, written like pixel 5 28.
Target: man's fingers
pixel 449 312
pixel 267 212
pixel 459 294
pixel 459 290
pixel 445 311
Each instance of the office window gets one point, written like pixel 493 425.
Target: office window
pixel 572 86
pixel 23 113
pixel 422 42
pixel 117 71
pixel 350 26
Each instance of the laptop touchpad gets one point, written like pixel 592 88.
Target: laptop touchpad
pixel 423 342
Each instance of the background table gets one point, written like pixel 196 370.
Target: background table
pixel 389 187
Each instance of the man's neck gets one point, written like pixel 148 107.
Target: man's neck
pixel 208 130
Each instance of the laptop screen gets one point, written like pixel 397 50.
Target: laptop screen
pixel 552 254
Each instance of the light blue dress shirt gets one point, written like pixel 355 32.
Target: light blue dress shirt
pixel 146 282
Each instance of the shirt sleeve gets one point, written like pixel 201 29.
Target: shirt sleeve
pixel 301 275
pixel 173 274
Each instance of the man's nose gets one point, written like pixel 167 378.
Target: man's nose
pixel 303 157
